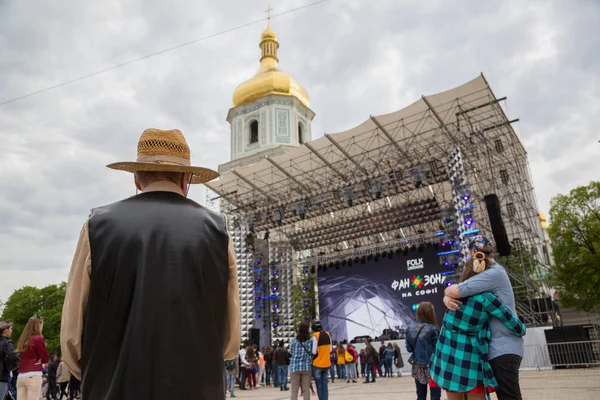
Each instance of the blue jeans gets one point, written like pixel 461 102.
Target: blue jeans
pixel 332 373
pixel 321 381
pixel 370 371
pixel 275 375
pixel 436 393
pixel 282 375
pixel 351 371
pixel 231 383
pixel 3 389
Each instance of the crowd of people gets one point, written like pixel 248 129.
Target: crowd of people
pixel 163 274
pixel 477 349
pixel 28 372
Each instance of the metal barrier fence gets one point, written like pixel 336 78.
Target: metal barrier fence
pixel 564 354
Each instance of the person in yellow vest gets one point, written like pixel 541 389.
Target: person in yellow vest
pixel 321 349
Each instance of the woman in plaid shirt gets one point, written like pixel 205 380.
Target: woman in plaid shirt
pixel 301 361
pixel 460 361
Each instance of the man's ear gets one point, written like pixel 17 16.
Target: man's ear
pixel 137 184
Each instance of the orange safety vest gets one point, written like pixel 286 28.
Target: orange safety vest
pixel 323 350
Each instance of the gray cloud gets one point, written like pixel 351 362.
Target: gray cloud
pixel 354 58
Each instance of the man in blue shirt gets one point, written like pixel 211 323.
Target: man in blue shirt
pixel 506 349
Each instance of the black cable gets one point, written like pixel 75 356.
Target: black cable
pixel 157 53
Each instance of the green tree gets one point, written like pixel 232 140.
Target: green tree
pixel 46 302
pixel 575 236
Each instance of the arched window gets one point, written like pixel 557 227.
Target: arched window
pixel 254 132
pixel 300 133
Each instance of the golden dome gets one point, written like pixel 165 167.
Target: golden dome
pixel 269 79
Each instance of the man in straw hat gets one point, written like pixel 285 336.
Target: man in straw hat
pixel 506 349
pixel 152 303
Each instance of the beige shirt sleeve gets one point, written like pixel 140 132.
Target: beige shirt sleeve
pixel 75 305
pixel 233 339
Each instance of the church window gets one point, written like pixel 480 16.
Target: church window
pixel 254 132
pixel 300 133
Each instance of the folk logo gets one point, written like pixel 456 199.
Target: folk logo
pixel 415 263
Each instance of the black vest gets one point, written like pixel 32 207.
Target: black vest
pixel 156 320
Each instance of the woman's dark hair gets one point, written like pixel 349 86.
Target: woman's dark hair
pixel 469 272
pixel 390 346
pixel 426 313
pixel 250 353
pixel 268 349
pixel 303 332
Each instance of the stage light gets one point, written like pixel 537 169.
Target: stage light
pixel 466 197
pixel 370 257
pixel 348 196
pixel 417 176
pixel 275 325
pixel 257 281
pixel 377 257
pixel 356 260
pixel 305 271
pixel 449 283
pixel 275 306
pixel 305 305
pixel 277 217
pixel 301 211
pixel 469 222
pixel 344 263
pixel 312 270
pixel 446 264
pixel 398 251
pixel 305 288
pixel 257 298
pixel 257 317
pixel 330 265
pixel 384 253
pixel 376 190
pixel 363 260
pixel 274 289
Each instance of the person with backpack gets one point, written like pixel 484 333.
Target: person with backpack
pixel 421 339
pixel 9 359
pixel 321 349
pixel 351 358
pixel 231 371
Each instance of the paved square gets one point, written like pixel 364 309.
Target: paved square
pixel 571 384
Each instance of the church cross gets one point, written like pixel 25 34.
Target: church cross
pixel 268 11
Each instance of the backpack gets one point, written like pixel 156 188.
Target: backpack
pixel 349 358
pixel 230 365
pixel 11 360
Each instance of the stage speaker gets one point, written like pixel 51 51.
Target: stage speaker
pixel 493 207
pixel 254 337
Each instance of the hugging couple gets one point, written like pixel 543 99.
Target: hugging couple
pixel 479 347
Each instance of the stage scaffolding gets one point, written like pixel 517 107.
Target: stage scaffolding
pixel 390 184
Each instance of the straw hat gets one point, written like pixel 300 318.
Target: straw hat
pixel 165 151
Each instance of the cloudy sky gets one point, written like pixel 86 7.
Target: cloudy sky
pixel 355 58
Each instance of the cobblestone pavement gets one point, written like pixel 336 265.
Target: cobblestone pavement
pixel 572 384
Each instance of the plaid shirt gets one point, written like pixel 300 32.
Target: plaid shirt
pixel 301 355
pixel 460 361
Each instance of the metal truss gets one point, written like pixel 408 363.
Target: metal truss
pixel 388 179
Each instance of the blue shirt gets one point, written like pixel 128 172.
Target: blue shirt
pixel 301 355
pixel 495 280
